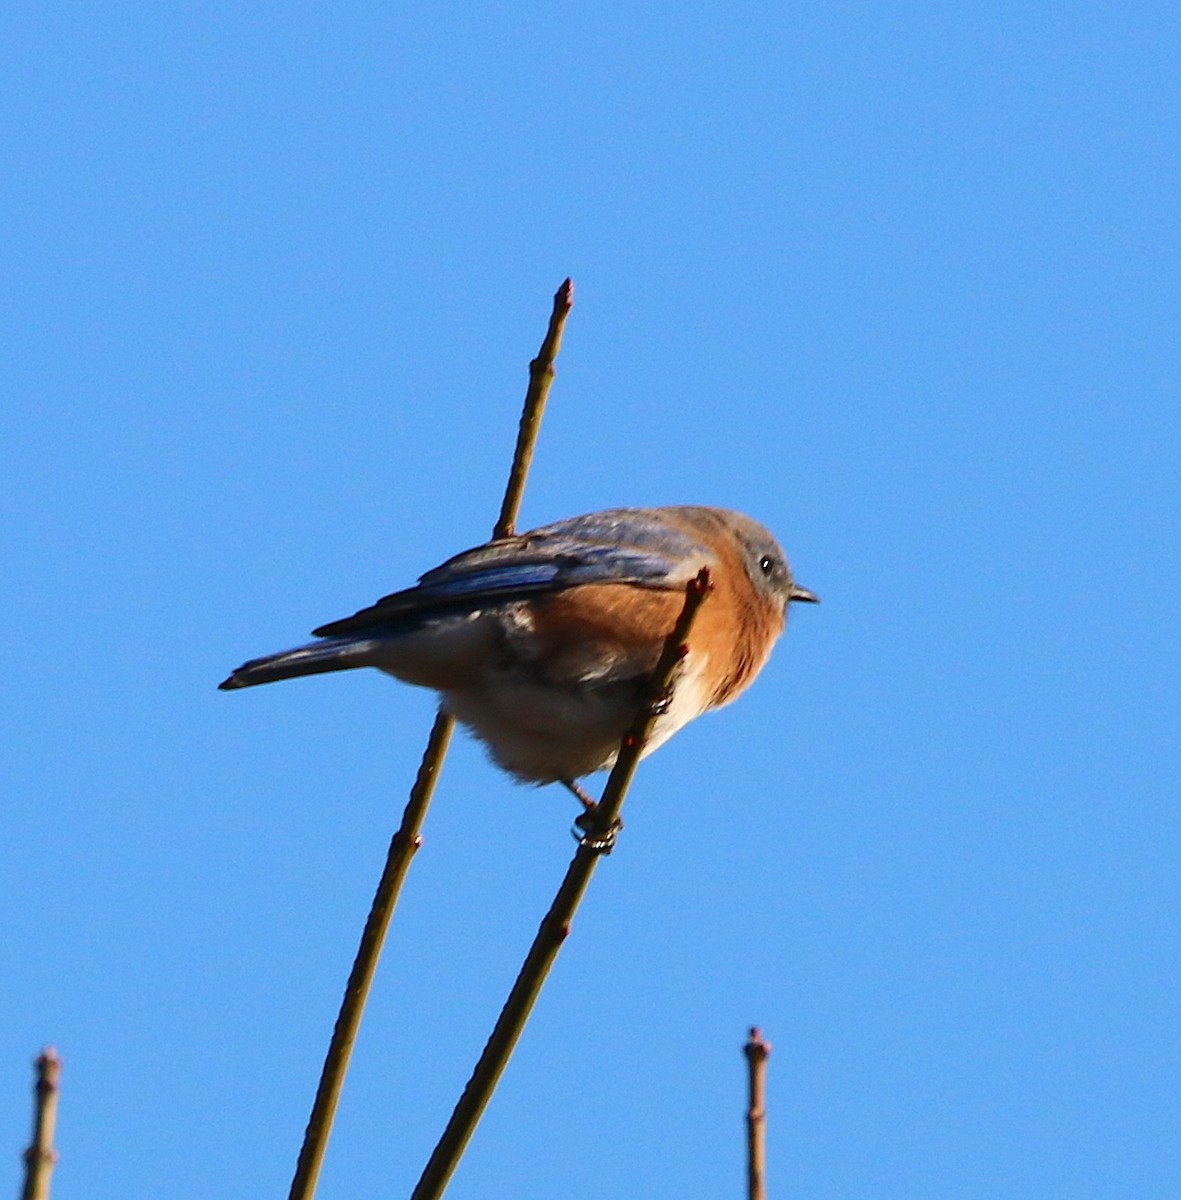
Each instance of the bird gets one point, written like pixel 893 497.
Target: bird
pixel 542 643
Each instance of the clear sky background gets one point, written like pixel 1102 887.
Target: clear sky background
pixel 900 281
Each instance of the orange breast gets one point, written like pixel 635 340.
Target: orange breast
pixel 618 630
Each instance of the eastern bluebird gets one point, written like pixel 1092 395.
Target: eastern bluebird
pixel 542 643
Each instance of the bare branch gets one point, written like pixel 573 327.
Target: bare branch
pixel 600 826
pixel 541 375
pixel 407 840
pixel 757 1052
pixel 40 1157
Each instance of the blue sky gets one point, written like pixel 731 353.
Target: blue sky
pixel 899 281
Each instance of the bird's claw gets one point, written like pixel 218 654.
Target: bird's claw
pixel 587 832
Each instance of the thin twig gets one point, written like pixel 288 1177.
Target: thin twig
pixel 756 1051
pixel 599 837
pixel 407 840
pixel 541 375
pixel 41 1156
pixel 402 849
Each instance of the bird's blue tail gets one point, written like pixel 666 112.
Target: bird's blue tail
pixel 334 654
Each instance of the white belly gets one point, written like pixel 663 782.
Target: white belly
pixel 541 733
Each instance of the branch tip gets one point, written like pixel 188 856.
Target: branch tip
pixel 40 1157
pixel 756 1051
pixel 407 839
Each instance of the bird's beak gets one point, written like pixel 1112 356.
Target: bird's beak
pixel 802 594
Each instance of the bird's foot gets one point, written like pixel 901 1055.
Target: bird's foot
pixel 587 831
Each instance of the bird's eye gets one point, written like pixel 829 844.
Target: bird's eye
pixel 766 564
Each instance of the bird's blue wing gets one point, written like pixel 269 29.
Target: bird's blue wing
pixel 617 546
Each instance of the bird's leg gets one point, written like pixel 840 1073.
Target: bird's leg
pixel 587 803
